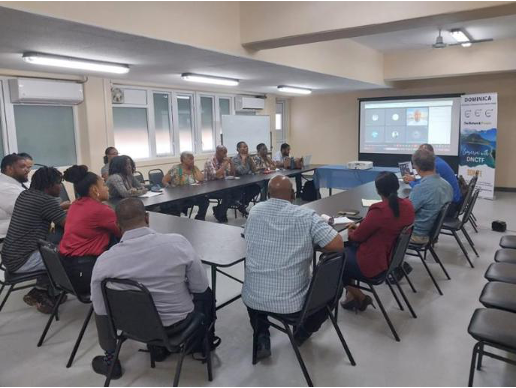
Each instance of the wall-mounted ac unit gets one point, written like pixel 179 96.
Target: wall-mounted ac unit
pixel 40 91
pixel 248 103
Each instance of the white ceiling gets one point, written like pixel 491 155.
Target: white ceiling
pixel 152 61
pixel 415 39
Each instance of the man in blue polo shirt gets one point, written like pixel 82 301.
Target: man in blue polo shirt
pixel 445 171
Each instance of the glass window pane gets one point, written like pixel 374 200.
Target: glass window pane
pixel 207 123
pixel 131 132
pixel 1 142
pixel 279 121
pixel 162 124
pixel 46 133
pixel 224 107
pixel 184 110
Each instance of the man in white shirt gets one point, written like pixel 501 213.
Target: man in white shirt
pixel 282 160
pixel 14 174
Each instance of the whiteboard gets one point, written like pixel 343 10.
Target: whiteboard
pixel 251 129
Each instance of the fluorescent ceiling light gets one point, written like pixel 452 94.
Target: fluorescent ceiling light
pixel 461 37
pixel 208 79
pixel 75 63
pixel 291 89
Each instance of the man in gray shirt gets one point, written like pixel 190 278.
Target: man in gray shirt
pixel 429 196
pixel 164 263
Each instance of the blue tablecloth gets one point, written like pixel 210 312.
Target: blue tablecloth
pixel 341 177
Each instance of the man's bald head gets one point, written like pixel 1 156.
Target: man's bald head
pixel 131 214
pixel 280 187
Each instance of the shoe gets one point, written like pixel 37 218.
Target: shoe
pixel 33 297
pixel 159 353
pixel 350 305
pixel 263 347
pixel 407 267
pixel 243 209
pixel 102 368
pixel 221 218
pixel 362 306
pixel 300 336
pixel 197 217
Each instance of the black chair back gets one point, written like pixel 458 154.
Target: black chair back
pixel 438 224
pixel 156 176
pixel 131 309
pixel 139 177
pixel 63 194
pixel 469 208
pixel 400 248
pixel 325 285
pixel 55 269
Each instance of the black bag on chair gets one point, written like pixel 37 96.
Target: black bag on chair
pixel 309 193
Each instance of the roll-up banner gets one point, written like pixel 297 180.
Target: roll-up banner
pixel 479 121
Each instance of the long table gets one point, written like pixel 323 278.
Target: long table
pixel 341 177
pixel 171 194
pixel 218 245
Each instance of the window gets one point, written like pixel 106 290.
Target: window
pixel 163 129
pixel 2 154
pixel 207 124
pixel 131 132
pixel 280 124
pixel 47 133
pixel 151 123
pixel 184 122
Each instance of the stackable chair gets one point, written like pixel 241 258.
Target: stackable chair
pixel 508 242
pixel 500 296
pixel 16 282
pixel 156 177
pixel 501 272
pixel 139 177
pixel 505 255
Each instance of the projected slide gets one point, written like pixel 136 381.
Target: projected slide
pixel 400 126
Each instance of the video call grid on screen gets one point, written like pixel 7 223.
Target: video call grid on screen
pixel 400 126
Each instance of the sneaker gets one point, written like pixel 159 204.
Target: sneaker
pixel 263 347
pixel 159 353
pixel 102 368
pixel 33 297
pixel 44 306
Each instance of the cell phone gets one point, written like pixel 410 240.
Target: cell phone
pixel 355 218
pixel 348 213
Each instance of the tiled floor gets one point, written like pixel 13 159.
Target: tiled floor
pixel 435 348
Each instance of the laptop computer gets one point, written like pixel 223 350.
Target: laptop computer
pixel 307 160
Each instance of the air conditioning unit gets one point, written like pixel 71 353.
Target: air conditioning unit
pixel 41 91
pixel 248 103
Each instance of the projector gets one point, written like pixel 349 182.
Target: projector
pixel 360 165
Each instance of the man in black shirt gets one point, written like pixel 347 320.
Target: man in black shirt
pixel 34 212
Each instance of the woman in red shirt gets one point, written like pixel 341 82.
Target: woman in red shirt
pixel 90 226
pixel 370 244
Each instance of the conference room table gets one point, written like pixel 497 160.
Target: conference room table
pixel 172 194
pixel 218 245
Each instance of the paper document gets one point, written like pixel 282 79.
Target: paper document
pixel 369 202
pixel 149 194
pixel 336 220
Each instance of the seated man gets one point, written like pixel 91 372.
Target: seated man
pixel 217 168
pixel 282 159
pixel 14 174
pixel 244 165
pixel 280 241
pixel 263 164
pixel 445 171
pixel 429 196
pixel 34 211
pixel 186 173
pixel 164 263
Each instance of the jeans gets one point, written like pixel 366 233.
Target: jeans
pixel 250 192
pixel 35 263
pixel 260 323
pixel 203 303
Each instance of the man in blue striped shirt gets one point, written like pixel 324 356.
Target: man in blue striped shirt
pixel 280 241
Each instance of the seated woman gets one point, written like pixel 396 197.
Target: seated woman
pixel 90 226
pixel 109 154
pixel 121 182
pixel 369 248
pixel 186 173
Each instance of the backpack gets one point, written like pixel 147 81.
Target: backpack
pixel 309 193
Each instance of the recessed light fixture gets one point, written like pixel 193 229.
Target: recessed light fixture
pixel 461 37
pixel 208 79
pixel 75 63
pixel 294 90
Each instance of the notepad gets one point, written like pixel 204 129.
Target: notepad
pixel 149 194
pixel 336 220
pixel 370 202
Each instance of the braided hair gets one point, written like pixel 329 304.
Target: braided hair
pixel 46 177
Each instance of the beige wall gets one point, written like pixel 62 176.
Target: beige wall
pixel 327 126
